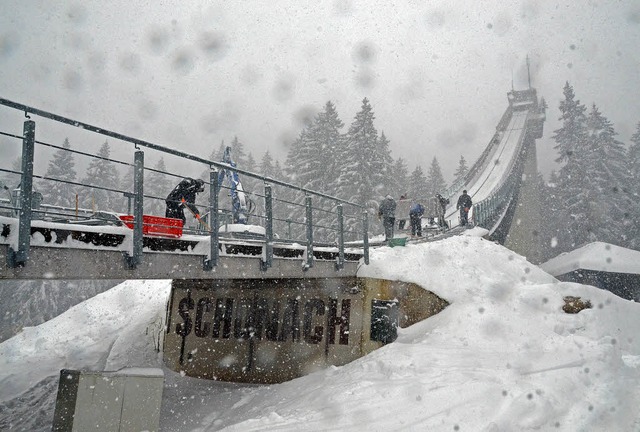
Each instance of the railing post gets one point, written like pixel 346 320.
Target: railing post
pixel 214 222
pixel 138 210
pixel 340 262
pixel 309 220
pixel 19 257
pixel 268 207
pixel 365 229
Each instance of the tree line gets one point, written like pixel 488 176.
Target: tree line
pixel 594 194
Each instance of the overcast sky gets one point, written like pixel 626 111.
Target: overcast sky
pixel 190 74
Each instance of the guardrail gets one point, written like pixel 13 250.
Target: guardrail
pixel 286 207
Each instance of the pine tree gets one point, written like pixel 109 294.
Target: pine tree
pixel 314 162
pixel 266 165
pixel 418 185
pixel 400 176
pixel 607 181
pixel 238 155
pixel 633 167
pixel 363 171
pixel 571 144
pixel 102 172
pixel 361 179
pixel 61 167
pixel 156 188
pixel 572 133
pixel 435 179
pixel 386 163
pixel 461 171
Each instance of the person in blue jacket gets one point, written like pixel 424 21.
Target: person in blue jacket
pixel 415 218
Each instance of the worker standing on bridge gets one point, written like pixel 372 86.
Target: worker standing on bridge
pixel 442 206
pixel 464 204
pixel 387 211
pixel 184 194
pixel 402 210
pixel 415 217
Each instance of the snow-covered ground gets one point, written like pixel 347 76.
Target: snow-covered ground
pixel 502 357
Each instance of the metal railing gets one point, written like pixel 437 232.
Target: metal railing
pixel 287 211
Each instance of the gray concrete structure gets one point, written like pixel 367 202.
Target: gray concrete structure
pixel 270 331
pixel 127 400
pixel 69 264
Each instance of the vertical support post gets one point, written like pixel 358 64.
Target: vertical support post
pixel 365 229
pixel 309 220
pixel 340 262
pixel 268 206
pixel 214 220
pixel 19 258
pixel 138 209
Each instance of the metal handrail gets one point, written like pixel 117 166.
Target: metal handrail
pixel 25 210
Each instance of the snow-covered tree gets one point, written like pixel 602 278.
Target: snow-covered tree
pixel 61 167
pixel 266 165
pixel 157 185
pixel 570 140
pixel 609 200
pixel 633 188
pixel 362 181
pixel 238 154
pixel 386 163
pixel 418 185
pixel 363 170
pixel 314 162
pixel 435 179
pixel 400 176
pixel 461 171
pixel 102 172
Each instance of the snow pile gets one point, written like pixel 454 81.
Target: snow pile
pixel 502 357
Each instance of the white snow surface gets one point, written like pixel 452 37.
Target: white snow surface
pixel 503 356
pixel 597 256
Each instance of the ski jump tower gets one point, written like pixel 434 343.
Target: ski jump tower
pixel 511 207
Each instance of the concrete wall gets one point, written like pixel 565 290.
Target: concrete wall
pixel 270 331
pixel 524 232
pixel 128 400
pixel 72 264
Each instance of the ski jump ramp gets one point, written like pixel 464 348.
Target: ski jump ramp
pixel 501 182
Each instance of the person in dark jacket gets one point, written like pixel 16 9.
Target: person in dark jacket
pixel 387 211
pixel 442 206
pixel 415 218
pixel 184 194
pixel 464 204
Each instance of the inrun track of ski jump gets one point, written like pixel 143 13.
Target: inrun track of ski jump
pixel 48 242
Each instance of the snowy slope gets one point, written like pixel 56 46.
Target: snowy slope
pixel 502 357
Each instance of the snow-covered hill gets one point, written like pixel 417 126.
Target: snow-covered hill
pixel 502 357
